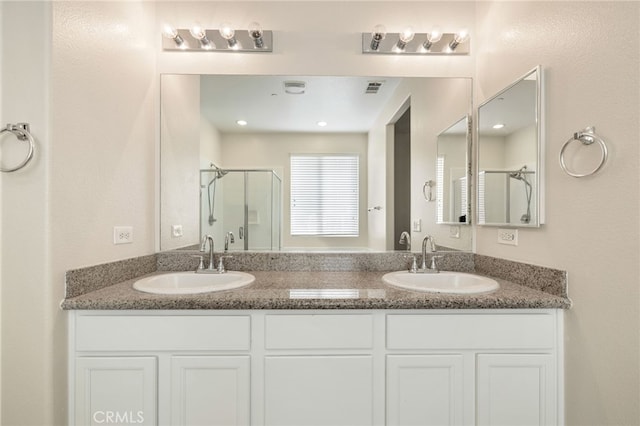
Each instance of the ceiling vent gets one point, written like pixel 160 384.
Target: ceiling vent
pixel 373 87
pixel 295 87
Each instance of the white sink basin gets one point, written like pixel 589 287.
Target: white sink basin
pixel 192 283
pixel 442 282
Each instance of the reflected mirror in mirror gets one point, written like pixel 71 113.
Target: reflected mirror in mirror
pixel 227 143
pixel 452 174
pixel 509 155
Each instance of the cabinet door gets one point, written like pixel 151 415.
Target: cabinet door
pixel 516 389
pixel 118 390
pixel 425 390
pixel 210 390
pixel 318 390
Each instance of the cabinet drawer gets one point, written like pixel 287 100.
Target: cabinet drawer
pixel 175 333
pixel 471 331
pixel 318 332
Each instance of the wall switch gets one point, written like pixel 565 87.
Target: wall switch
pixel 508 236
pixel 122 234
pixel 454 231
pixel 417 225
pixel 176 231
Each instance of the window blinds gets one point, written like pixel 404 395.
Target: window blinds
pixel 325 195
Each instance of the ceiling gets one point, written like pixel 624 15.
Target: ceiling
pixel 341 102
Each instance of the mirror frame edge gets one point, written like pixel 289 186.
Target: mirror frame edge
pixel 540 140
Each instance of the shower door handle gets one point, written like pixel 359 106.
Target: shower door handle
pixel 241 232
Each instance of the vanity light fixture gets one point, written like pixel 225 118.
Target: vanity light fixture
pixel 224 39
pixel 460 37
pixel 409 42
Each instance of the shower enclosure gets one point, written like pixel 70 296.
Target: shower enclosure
pixel 506 196
pixel 242 205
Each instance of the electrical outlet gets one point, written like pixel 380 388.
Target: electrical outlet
pixel 122 234
pixel 417 225
pixel 508 236
pixel 176 231
pixel 454 231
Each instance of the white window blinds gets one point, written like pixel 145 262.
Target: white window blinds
pixel 324 195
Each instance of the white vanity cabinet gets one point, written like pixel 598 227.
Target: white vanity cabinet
pixel 315 367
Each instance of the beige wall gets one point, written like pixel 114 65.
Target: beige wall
pixel 180 159
pixel 592 226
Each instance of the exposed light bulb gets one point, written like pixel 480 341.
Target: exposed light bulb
pixel 460 37
pixel 228 34
pixel 172 34
pixel 432 37
pixel 405 37
pixel 256 33
pixel 377 35
pixel 200 34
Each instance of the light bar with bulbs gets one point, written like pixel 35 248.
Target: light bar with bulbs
pixel 224 39
pixel 407 42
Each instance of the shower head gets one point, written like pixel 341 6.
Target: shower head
pixel 218 171
pixel 519 175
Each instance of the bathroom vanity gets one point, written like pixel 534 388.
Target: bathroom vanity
pixel 318 367
pixel 316 348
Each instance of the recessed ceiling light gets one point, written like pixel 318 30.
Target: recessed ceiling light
pixel 322 123
pixel 241 123
pixel 498 126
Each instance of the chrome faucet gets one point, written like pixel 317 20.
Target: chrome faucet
pixel 203 246
pixel 405 239
pixel 228 238
pixel 423 266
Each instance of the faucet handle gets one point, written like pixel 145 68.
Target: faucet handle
pixel 200 262
pixel 221 269
pixel 414 263
pixel 433 263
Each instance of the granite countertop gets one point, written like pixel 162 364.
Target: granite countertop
pixel 273 290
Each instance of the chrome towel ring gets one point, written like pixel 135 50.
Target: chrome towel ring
pixel 587 137
pixel 21 131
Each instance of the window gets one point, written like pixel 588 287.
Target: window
pixel 325 195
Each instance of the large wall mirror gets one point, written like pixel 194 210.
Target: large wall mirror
pixel 230 145
pixel 510 164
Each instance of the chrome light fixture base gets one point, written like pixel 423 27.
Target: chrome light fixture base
pixel 389 45
pixel 216 43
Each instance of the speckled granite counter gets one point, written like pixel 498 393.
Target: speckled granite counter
pixel 273 290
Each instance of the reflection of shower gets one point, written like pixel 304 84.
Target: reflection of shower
pixel 219 173
pixel 522 176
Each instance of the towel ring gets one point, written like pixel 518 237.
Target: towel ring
pixel 587 137
pixel 21 131
pixel 428 193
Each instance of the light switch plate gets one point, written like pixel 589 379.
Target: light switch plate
pixel 176 231
pixel 417 225
pixel 508 236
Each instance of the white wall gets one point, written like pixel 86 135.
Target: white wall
pixel 592 227
pixel 273 150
